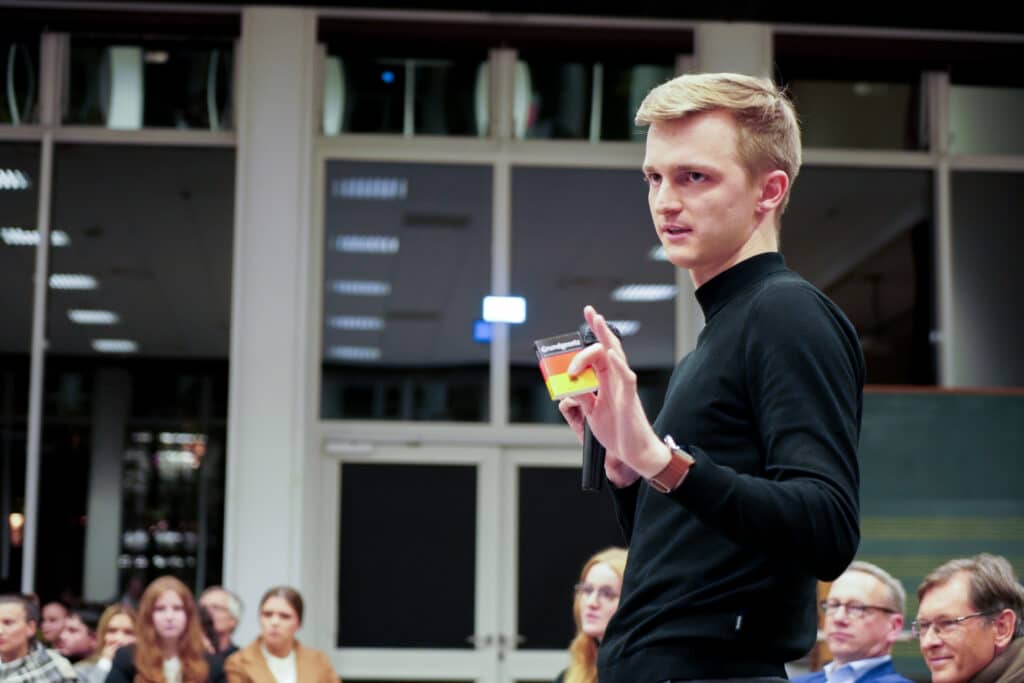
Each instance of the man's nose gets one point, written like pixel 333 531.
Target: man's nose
pixel 666 200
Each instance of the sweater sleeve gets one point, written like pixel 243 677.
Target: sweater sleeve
pixel 805 380
pixel 625 506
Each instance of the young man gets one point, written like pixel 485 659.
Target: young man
pixel 22 659
pixel 863 618
pixel 970 621
pixel 78 639
pixel 745 488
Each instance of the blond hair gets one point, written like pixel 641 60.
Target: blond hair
pixel 897 593
pixel 583 648
pixel 768 130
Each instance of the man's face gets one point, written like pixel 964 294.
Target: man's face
pixel 15 631
pixel 54 615
pixel 76 639
pixel 956 656
pixel 702 200
pixel 216 603
pixel 852 637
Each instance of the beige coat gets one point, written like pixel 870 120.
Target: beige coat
pixel 248 666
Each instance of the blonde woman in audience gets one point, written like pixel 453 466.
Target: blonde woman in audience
pixel 276 656
pixel 116 628
pixel 597 598
pixel 169 643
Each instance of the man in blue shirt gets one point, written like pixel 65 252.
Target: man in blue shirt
pixel 863 618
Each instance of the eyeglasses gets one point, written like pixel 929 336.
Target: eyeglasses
pixel 605 593
pixel 943 627
pixel 853 609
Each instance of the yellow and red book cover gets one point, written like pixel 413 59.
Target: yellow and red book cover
pixel 555 354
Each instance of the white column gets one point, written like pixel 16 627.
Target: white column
pixel 112 403
pixel 271 468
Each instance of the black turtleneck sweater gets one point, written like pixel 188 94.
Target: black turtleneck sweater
pixel 721 578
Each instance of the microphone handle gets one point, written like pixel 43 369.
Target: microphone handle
pixel 593 460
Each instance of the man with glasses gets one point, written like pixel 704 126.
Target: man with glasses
pixel 863 618
pixel 970 621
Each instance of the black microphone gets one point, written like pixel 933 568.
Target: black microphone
pixel 593 450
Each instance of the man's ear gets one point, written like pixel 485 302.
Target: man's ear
pixel 895 628
pixel 774 185
pixel 1005 624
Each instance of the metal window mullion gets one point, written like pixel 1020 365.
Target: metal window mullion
pixel 409 110
pixel 937 87
pixel 51 63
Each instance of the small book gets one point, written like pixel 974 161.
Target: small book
pixel 555 354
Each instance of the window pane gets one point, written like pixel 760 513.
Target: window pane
pixel 559 96
pixel 578 235
pixel 134 425
pixel 865 237
pixel 19 94
pixel 442 96
pixel 19 182
pixel 859 114
pixel 407 572
pixel 406 264
pixel 154 84
pixel 560 527
pixel 987 280
pixel 985 120
pixel 623 88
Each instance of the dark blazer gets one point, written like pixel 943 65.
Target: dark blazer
pixel 249 666
pixel 123 668
pixel 883 673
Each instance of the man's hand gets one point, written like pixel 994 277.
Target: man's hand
pixel 614 413
pixel 618 473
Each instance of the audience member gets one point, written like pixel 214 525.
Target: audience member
pixel 276 655
pixel 596 599
pixel 970 620
pixel 169 643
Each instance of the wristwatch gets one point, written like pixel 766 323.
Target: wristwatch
pixel 675 471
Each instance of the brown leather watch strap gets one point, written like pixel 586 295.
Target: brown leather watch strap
pixel 675 471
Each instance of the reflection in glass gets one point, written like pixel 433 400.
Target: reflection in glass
pixel 578 235
pixel 19 80
pixel 152 84
pixel 860 114
pixel 423 96
pixel 987 281
pixel 985 120
pixel 865 237
pixel 406 265
pixel 152 229
pixel 18 207
pixel 586 100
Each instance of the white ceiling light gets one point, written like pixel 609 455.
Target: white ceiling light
pixel 370 188
pixel 362 353
pixel 626 327
pixel 504 309
pixel 657 253
pixel 356 322
pixel 367 244
pixel 72 281
pixel 361 287
pixel 115 345
pixel 84 316
pixel 20 237
pixel 13 179
pixel 644 293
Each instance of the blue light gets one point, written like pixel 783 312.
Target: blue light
pixel 482 331
pixel 387 76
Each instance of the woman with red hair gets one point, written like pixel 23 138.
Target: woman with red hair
pixel 596 599
pixel 169 642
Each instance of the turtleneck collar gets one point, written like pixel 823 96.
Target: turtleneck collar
pixel 716 292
